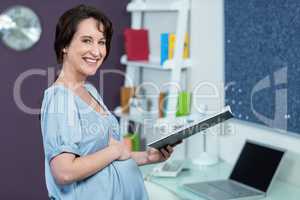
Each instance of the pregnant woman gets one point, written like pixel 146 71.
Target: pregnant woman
pixel 85 158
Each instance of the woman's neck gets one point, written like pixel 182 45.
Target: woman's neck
pixel 71 78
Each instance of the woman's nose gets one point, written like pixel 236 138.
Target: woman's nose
pixel 95 50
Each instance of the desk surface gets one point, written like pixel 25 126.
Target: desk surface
pixel 279 190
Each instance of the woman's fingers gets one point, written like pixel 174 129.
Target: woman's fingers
pixel 170 149
pixel 165 153
pixel 124 152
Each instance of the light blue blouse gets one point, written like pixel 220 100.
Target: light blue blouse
pixel 69 124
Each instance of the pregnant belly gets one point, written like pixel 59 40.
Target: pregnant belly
pixel 128 170
pixel 120 180
pixel 131 178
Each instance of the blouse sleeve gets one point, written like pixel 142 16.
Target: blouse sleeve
pixel 60 124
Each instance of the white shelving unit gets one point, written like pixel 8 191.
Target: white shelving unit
pixel 168 64
pixel 174 67
pixel 162 6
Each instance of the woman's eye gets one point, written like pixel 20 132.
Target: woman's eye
pixel 102 43
pixel 87 41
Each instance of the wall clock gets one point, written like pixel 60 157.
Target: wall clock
pixel 22 29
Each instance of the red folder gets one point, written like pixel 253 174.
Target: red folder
pixel 136 44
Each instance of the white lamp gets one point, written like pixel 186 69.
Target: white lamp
pixel 205 159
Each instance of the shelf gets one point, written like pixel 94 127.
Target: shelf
pixel 157 120
pixel 168 65
pixel 135 118
pixel 143 6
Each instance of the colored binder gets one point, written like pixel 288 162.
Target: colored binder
pixel 186 52
pixel 164 49
pixel 172 39
pixel 136 44
pixel 167 46
pixel 183 104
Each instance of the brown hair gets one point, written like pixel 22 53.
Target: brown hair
pixel 68 23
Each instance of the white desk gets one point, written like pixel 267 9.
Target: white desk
pixel 279 190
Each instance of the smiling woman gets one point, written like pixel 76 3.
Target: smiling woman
pixel 87 49
pixel 85 157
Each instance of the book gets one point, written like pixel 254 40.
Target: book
pixel 190 129
pixel 162 102
pixel 172 40
pixel 183 103
pixel 186 52
pixel 164 42
pixel 136 44
pixel 126 94
pixel 167 46
pixel 171 46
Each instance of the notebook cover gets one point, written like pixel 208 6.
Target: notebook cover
pixel 136 44
pixel 164 49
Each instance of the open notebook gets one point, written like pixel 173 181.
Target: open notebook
pixel 190 129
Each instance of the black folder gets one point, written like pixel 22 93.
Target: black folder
pixel 191 129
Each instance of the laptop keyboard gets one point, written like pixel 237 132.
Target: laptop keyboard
pixel 205 190
pixel 233 188
pixel 220 190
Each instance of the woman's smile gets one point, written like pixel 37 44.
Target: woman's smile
pixel 91 61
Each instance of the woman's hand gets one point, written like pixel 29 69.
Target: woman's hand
pixel 122 150
pixel 154 155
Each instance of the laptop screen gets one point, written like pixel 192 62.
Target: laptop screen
pixel 256 166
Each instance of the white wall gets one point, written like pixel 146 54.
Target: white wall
pixel 207 55
pixel 207 52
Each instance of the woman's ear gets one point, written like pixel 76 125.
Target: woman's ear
pixel 64 50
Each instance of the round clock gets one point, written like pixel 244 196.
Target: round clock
pixel 25 29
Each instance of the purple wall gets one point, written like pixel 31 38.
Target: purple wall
pixel 22 159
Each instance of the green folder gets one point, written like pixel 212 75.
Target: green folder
pixel 183 104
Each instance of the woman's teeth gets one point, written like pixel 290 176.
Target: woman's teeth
pixel 90 60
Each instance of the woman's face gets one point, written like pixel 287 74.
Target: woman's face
pixel 87 49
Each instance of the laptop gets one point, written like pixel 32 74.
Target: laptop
pixel 251 177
